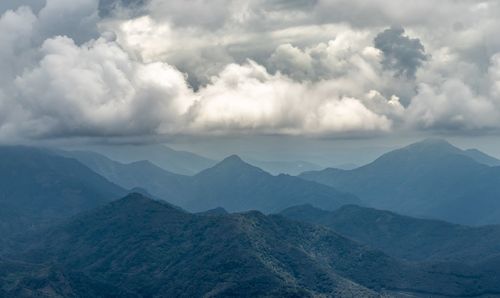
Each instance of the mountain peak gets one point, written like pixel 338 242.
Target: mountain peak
pixel 424 152
pixel 137 200
pixel 435 145
pixel 135 197
pixel 432 142
pixel 230 165
pixel 232 159
pixel 214 211
pixel 134 203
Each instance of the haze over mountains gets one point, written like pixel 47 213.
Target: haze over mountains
pixel 431 179
pixel 38 187
pixel 232 184
pixel 239 186
pixel 188 163
pixel 143 174
pixel 226 149
pixel 175 161
pixel 65 232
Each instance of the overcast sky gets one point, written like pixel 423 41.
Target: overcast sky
pixel 203 72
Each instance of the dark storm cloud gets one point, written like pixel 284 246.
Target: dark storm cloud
pixel 402 54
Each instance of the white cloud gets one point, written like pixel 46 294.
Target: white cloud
pixel 96 89
pixel 494 76
pixel 76 19
pixel 452 105
pixel 258 67
pixel 16 29
pixel 247 98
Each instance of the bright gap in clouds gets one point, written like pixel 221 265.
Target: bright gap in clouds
pixel 331 68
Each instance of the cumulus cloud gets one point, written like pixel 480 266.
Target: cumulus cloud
pixel 401 53
pixel 100 89
pixel 494 76
pixel 247 98
pixel 75 19
pixel 16 29
pixel 113 69
pixel 108 8
pixel 346 54
pixel 452 106
pixel 96 89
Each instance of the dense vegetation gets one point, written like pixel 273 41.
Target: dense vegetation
pixel 148 248
pixel 405 237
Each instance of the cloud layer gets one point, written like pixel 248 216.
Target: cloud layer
pixel 317 68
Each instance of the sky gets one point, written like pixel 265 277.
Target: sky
pixel 277 78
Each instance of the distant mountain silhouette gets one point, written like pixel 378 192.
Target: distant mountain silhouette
pixel 346 166
pixel 140 174
pixel 38 187
pixel 215 211
pixel 147 248
pixel 238 186
pixel 429 179
pixel 284 167
pixel 232 184
pixel 405 237
pixel 171 160
pixel 482 157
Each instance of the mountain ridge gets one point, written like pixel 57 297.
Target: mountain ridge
pixel 238 186
pixel 243 254
pixel 38 187
pixel 412 239
pixel 430 179
pixel 232 184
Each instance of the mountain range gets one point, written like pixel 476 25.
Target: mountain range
pixel 238 186
pixel 64 232
pixel 138 247
pixel 431 179
pixel 144 174
pixel 404 237
pixel 232 184
pixel 38 187
pixel 171 160
pixel 185 162
pixel 284 167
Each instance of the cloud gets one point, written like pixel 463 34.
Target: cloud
pixel 292 61
pixel 16 28
pixel 401 53
pixel 452 106
pixel 96 90
pixel 75 19
pixel 246 98
pixel 101 89
pixel 108 8
pixel 35 5
pixel 346 54
pixel 494 77
pixel 135 68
